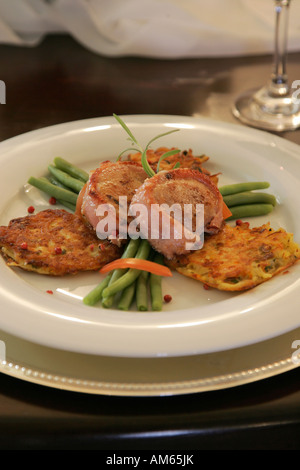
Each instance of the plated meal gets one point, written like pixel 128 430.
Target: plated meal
pixel 103 227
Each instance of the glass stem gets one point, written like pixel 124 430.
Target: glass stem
pixel 279 80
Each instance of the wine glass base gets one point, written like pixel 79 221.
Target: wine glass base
pixel 258 109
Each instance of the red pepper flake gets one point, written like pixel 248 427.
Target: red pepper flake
pixel 239 222
pixel 206 286
pixel 30 209
pixel 49 291
pixel 58 250
pixel 91 247
pixel 102 246
pixel 24 246
pixel 167 298
pixel 52 201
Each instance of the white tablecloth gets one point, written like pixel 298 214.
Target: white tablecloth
pixel 151 28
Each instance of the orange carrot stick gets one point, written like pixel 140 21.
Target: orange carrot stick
pixel 135 263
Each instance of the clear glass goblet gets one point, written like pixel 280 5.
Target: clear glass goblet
pixel 274 107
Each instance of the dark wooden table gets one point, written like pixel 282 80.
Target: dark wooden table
pixel 60 81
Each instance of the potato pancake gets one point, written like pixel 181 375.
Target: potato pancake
pixel 54 242
pixel 185 159
pixel 239 258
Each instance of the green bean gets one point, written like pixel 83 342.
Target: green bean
pixel 249 197
pixel 67 204
pixel 71 169
pixel 108 300
pixel 141 293
pixel 132 248
pixel 55 181
pixel 52 190
pixel 249 210
pixel 66 179
pixel 129 252
pixel 241 187
pixel 127 297
pixel 156 286
pixel 131 275
pixel 95 295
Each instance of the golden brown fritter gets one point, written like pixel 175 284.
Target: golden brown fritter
pixel 54 242
pixel 185 159
pixel 239 258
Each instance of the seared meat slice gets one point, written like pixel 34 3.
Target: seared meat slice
pixel 108 185
pixel 183 190
pixel 54 242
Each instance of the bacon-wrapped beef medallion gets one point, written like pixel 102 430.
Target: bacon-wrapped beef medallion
pixel 110 185
pixel 172 201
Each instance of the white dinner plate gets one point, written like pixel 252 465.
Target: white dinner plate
pixel 197 321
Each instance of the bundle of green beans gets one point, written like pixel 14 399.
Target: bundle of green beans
pixel 123 286
pixel 64 182
pixel 244 200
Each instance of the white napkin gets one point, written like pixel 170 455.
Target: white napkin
pixel 151 28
